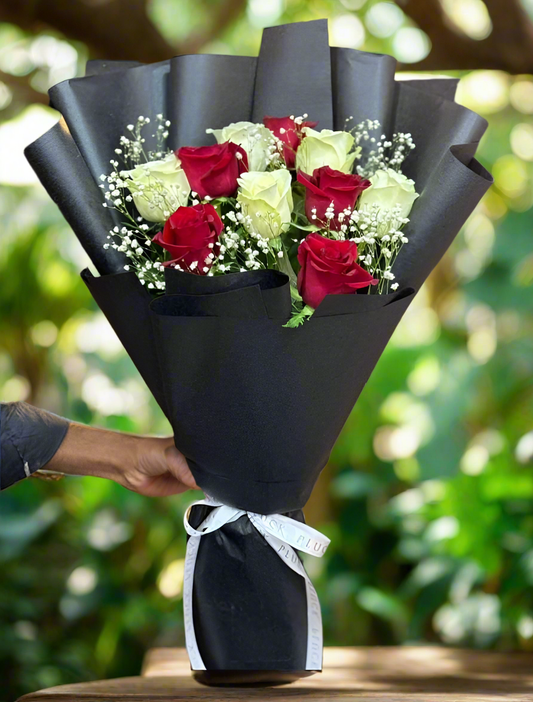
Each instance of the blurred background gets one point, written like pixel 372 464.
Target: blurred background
pixel 428 498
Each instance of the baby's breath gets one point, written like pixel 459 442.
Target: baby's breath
pixel 380 153
pixel 134 236
pixel 241 248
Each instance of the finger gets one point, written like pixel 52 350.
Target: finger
pixel 163 486
pixel 177 466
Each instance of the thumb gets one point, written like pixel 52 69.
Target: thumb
pixel 177 466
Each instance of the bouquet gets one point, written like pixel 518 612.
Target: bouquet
pixel 260 225
pixel 245 203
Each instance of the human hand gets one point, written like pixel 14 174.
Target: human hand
pixel 159 469
pixel 147 465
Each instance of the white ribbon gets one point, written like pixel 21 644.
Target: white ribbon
pixel 284 535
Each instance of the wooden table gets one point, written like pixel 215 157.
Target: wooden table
pixel 421 674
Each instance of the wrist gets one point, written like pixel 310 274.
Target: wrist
pixel 117 457
pixel 96 452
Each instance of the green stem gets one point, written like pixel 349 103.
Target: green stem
pixel 283 263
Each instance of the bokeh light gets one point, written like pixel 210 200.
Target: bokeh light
pixel 263 13
pixel 170 581
pixel 470 16
pixel 410 45
pixel 521 95
pixel 15 136
pixel 347 30
pixel 353 4
pixel 44 333
pixel 484 91
pixel 5 95
pixel 522 141
pixel 511 175
pixel 384 19
pixel 82 580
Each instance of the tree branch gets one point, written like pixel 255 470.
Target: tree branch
pixel 113 29
pixel 119 29
pixel 509 47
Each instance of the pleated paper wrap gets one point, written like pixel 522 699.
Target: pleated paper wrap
pixel 256 408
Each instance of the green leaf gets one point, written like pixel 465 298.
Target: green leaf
pixel 18 531
pixel 354 484
pixel 305 228
pixel 383 605
pixel 299 318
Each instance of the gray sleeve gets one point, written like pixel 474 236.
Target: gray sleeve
pixel 29 438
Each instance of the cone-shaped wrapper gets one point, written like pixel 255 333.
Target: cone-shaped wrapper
pixel 256 407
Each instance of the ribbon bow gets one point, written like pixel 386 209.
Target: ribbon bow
pixel 284 535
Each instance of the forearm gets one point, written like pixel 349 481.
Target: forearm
pixel 149 465
pixel 97 452
pixel 31 440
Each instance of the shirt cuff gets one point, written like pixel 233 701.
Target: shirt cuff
pixel 29 439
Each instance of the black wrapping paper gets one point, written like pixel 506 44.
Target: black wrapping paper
pixel 220 90
pixel 57 161
pixel 237 553
pixel 362 85
pixel 98 108
pixel 286 396
pixel 256 407
pixel 273 287
pixel 293 75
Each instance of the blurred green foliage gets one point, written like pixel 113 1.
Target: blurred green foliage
pixel 429 494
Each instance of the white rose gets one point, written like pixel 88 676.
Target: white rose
pixel 266 197
pixel 255 139
pixel 326 148
pixel 158 188
pixel 389 188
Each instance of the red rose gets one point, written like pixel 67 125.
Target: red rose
pixel 290 133
pixel 328 186
pixel 213 170
pixel 190 235
pixel 329 267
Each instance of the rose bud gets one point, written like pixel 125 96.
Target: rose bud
pixel 157 186
pixel 327 186
pixel 255 139
pixel 390 189
pixel 190 236
pixel 326 148
pixel 212 171
pixel 328 267
pixel 266 199
pixel 290 133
